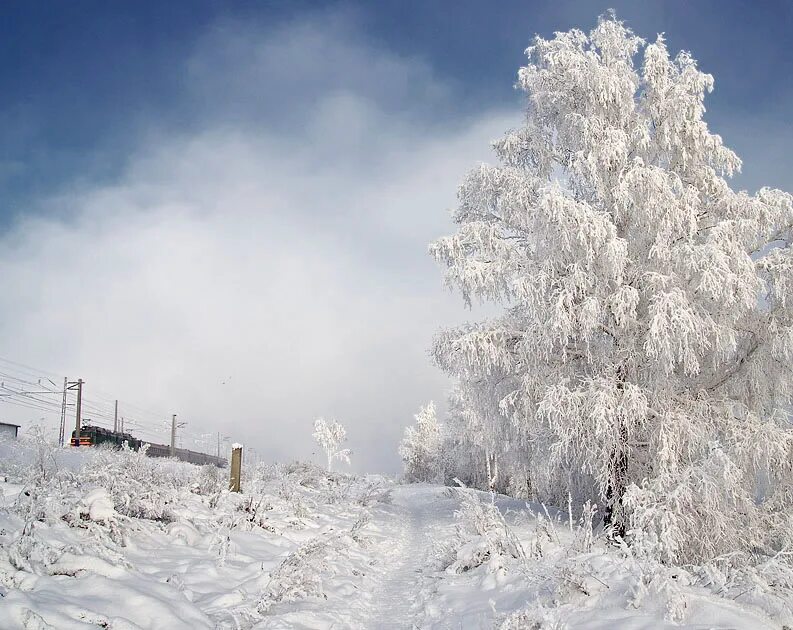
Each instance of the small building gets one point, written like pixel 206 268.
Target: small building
pixel 8 431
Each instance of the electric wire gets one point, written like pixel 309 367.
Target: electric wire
pixel 17 379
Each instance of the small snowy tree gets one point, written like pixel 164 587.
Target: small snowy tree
pixel 420 448
pixel 644 358
pixel 330 435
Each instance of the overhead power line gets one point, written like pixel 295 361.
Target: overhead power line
pixel 28 387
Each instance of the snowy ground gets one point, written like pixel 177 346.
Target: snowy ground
pixel 123 542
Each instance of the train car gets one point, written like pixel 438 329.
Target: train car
pixel 94 436
pixel 201 459
pixel 158 450
pixel 186 455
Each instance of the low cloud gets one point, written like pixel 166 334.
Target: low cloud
pixel 269 266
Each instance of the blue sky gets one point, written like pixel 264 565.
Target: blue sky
pixel 222 210
pixel 81 81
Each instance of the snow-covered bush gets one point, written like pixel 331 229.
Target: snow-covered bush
pixel 330 435
pixel 766 582
pixel 483 536
pixel 300 574
pixel 420 448
pixel 372 491
pixel 140 486
pixel 644 358
pixel 48 489
pixel 32 458
pixel 303 573
pixel 211 480
pixel 54 494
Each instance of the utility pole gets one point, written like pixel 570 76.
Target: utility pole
pixel 62 433
pixel 115 419
pixel 79 411
pixel 221 439
pixel 174 426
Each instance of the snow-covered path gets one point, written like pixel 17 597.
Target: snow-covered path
pixel 417 519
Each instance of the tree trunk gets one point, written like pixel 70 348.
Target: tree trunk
pixel 492 470
pixel 619 473
pixel 616 490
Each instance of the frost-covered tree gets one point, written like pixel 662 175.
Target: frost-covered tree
pixel 480 449
pixel 330 435
pixel 643 359
pixel 420 448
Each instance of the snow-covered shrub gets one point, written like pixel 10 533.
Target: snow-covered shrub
pixel 574 566
pixel 51 495
pixel 420 448
pixel 255 510
pixel 140 486
pixel 300 574
pixel 763 581
pixel 211 480
pixel 483 536
pixel 49 490
pixel 290 487
pixel 371 492
pixel 265 473
pixel 289 482
pixel 31 458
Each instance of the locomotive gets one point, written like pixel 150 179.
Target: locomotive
pixel 94 436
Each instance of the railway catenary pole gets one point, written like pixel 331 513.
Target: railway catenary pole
pixel 221 440
pixel 79 411
pixel 62 433
pixel 173 436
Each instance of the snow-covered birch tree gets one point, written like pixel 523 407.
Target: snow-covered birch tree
pixel 420 448
pixel 645 351
pixel 330 435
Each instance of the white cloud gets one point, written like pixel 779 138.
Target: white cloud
pixel 286 259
